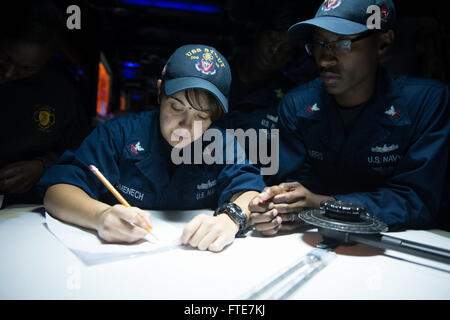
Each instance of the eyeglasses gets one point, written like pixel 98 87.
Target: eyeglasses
pixel 338 47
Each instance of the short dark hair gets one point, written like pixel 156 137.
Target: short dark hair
pixel 193 97
pixel 41 22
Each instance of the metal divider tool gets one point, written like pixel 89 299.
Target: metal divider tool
pixel 284 283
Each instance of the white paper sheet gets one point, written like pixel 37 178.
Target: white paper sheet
pixel 91 249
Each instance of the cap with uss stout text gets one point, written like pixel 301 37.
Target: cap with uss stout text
pixel 348 17
pixel 198 66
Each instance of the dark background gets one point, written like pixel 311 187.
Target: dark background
pixel 146 32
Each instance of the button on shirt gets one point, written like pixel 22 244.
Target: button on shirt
pixel 393 160
pixel 132 154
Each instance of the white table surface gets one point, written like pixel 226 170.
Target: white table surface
pixel 36 265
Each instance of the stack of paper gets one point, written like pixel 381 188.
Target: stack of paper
pixel 91 249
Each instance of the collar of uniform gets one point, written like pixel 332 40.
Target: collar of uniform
pixel 384 108
pixel 386 103
pixel 142 143
pixel 153 163
pixel 312 108
pixel 333 127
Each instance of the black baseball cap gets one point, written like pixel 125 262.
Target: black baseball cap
pixel 346 17
pixel 198 66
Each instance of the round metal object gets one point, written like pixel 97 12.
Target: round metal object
pixel 342 210
pixel 366 223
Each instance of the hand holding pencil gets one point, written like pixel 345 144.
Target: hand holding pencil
pixel 113 228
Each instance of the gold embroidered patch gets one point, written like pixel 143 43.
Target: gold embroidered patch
pixel 45 117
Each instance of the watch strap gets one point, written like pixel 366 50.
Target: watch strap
pixel 236 214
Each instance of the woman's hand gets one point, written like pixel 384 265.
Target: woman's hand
pixel 122 224
pixel 211 233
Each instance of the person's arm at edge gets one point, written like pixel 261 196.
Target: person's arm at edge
pixel 71 204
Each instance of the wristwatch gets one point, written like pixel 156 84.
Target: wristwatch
pixel 236 214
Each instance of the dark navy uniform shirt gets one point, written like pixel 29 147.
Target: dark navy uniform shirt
pixel 393 160
pixel 256 108
pixel 249 105
pixel 41 118
pixel 132 154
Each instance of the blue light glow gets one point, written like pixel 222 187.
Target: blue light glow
pixel 129 73
pixel 178 5
pixel 131 65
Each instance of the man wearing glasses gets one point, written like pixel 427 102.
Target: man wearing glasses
pixel 358 133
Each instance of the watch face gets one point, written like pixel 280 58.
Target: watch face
pixel 239 216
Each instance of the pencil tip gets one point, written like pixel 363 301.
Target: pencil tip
pixel 154 235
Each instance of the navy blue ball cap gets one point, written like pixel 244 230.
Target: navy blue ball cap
pixel 198 66
pixel 345 17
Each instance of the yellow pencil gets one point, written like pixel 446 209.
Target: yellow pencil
pixel 113 190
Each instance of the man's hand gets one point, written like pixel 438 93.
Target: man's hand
pixel 277 207
pixel 296 197
pixel 207 232
pixel 19 177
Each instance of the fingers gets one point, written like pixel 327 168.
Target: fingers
pixel 7 173
pixel 256 205
pixel 11 184
pixel 202 226
pixel 19 177
pixel 269 192
pixel 291 196
pixel 219 244
pixel 205 241
pixel 267 223
pixel 270 223
pixel 147 218
pixel 270 228
pixel 292 200
pixel 261 202
pixel 209 233
pixel 133 215
pixel 10 178
pixel 130 233
pixel 256 218
pixel 289 217
pixel 290 185
pixel 284 208
pixel 291 221
pixel 190 229
pixel 123 224
pixel 291 226
pixel 294 207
